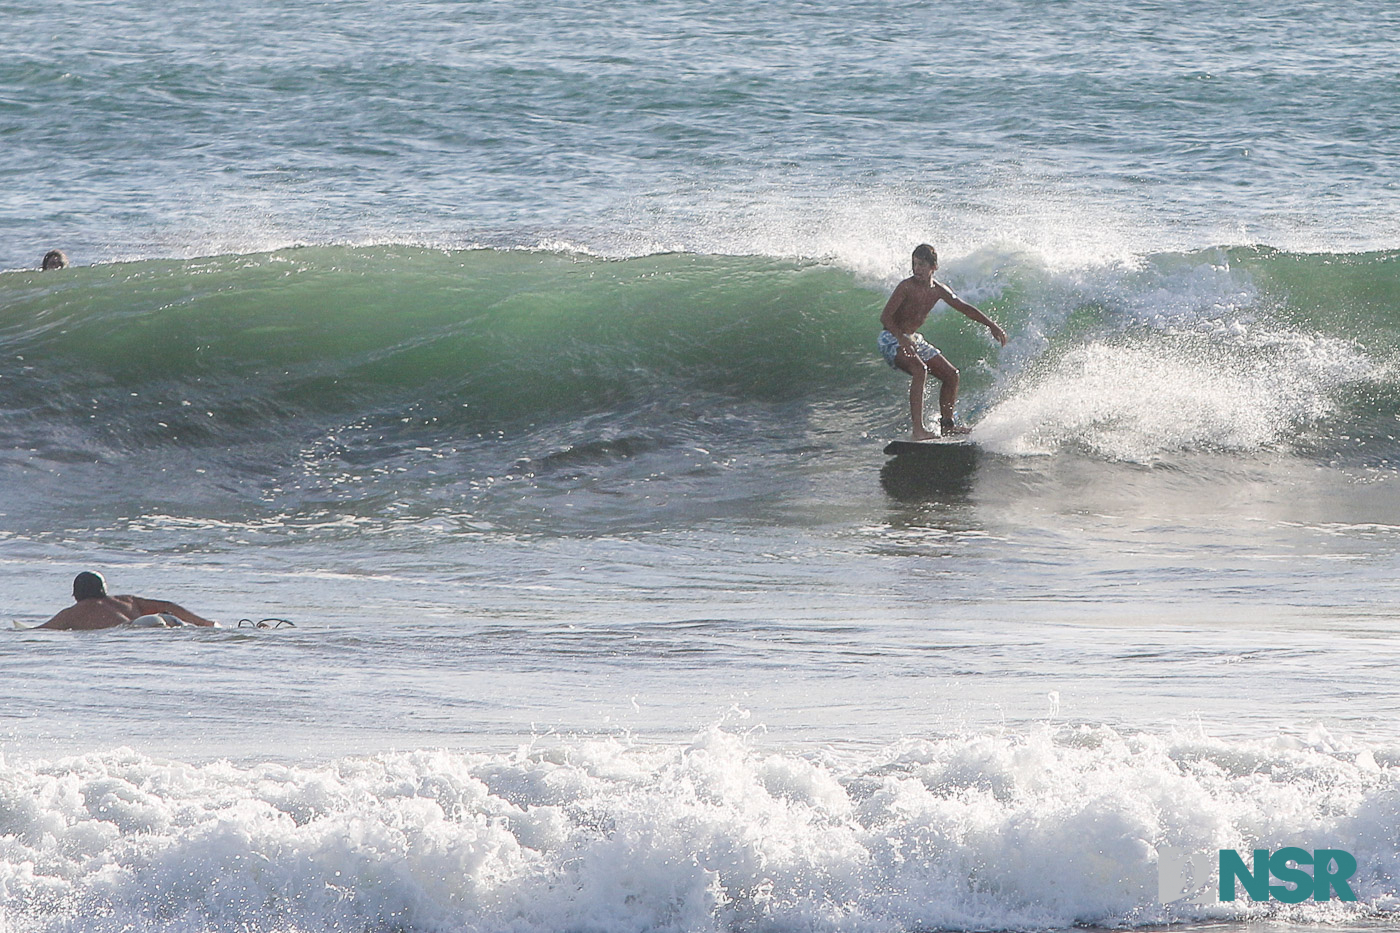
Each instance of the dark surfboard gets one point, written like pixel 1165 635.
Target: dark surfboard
pixel 958 445
pixel 929 469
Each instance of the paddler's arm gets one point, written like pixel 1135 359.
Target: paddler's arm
pixel 152 606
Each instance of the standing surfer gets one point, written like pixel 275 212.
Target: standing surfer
pixel 904 348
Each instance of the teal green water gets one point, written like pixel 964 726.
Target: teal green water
pixel 839 128
pixel 441 346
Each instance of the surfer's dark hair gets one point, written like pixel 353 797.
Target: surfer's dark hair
pixel 89 585
pixel 54 259
pixel 926 253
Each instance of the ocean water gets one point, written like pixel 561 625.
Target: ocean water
pixel 522 356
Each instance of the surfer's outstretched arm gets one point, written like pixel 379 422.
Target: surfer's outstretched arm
pixel 967 310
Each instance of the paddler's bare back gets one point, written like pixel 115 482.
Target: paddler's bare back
pixel 95 613
pixel 93 608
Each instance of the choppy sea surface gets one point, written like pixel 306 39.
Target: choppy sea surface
pixel 522 355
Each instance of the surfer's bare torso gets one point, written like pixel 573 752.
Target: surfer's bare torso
pixel 904 348
pixel 911 302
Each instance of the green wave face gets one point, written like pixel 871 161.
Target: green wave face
pixel 377 352
pixel 484 339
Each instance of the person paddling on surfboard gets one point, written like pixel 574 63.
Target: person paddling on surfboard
pixel 904 348
pixel 94 609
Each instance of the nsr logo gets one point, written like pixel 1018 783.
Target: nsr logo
pixel 1183 874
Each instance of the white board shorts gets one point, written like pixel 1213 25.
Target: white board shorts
pixel 889 347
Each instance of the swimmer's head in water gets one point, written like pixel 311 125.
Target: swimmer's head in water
pixel 89 585
pixel 55 259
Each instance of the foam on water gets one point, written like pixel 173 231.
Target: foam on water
pixel 1131 361
pixel 1138 402
pixel 1012 831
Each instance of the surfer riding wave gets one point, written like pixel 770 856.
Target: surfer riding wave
pixel 904 348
